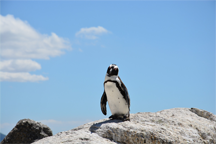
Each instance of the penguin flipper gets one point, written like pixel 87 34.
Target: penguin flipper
pixel 125 95
pixel 103 103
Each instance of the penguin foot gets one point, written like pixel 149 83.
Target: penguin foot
pixel 120 117
pixel 113 117
pixel 126 119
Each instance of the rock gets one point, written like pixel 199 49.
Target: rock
pixel 27 131
pixel 204 114
pixel 171 126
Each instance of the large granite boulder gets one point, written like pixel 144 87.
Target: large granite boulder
pixel 171 126
pixel 27 131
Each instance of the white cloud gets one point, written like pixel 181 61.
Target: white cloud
pixel 58 126
pixel 51 121
pixel 91 33
pixel 20 43
pixel 21 77
pixel 6 127
pixel 80 50
pixel 19 65
pixel 55 122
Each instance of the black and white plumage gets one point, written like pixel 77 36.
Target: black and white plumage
pixel 116 93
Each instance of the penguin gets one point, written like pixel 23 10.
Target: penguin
pixel 116 93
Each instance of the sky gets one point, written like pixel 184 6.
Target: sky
pixel 55 54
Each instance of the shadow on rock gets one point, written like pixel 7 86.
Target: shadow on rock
pixel 96 126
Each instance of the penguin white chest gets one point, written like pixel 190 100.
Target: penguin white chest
pixel 115 99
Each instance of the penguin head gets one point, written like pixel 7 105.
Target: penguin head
pixel 112 70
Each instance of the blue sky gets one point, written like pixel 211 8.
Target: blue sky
pixel 54 57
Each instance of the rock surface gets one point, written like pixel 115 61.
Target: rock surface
pixel 204 114
pixel 171 126
pixel 27 131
